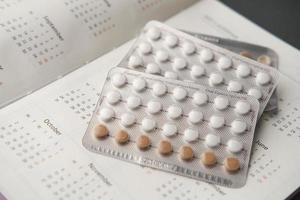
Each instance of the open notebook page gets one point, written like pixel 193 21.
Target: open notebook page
pixel 56 118
pixel 41 40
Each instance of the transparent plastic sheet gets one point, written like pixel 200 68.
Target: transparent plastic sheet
pixel 150 157
pixel 177 61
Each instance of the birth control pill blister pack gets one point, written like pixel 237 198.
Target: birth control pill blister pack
pixel 175 126
pixel 259 53
pixel 165 51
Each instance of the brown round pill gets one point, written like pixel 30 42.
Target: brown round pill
pixel 143 142
pixel 232 164
pixel 165 147
pixel 208 158
pixel 264 59
pixel 186 153
pixel 101 131
pixel 122 137
pixel 246 54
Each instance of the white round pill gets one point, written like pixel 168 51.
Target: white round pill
pixel 215 79
pixel 148 124
pixel 152 68
pixel 118 80
pixel 133 102
pixel 161 56
pixel 127 119
pixel 234 146
pixel 139 84
pixel 179 64
pixel 200 98
pixel 171 75
pixel 113 97
pixel 159 89
pixel 206 55
pixel 179 93
pixel 153 33
pixel 216 121
pixel 255 93
pixel 153 107
pixel 195 116
pixel 171 41
pixel 234 86
pixel 243 71
pixel 188 48
pixel 197 71
pixel 242 107
pixel 174 112
pixel 169 129
pixel 212 140
pixel 145 48
pixel 106 114
pixel 135 61
pixel 238 126
pixel 221 103
pixel 224 63
pixel 190 135
pixel 262 78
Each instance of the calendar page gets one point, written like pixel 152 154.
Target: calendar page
pixel 40 136
pixel 41 148
pixel 41 40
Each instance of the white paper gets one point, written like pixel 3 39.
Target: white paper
pixel 42 40
pixel 63 108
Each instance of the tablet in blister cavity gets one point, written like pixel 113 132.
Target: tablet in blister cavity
pixel 259 53
pixel 162 50
pixel 175 126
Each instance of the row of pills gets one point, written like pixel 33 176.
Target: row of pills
pixel 165 148
pixel 214 79
pixel 159 89
pixel 171 129
pixel 197 71
pixel 237 126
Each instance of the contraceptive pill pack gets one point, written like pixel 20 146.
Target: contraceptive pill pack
pixel 165 51
pixel 259 53
pixel 179 127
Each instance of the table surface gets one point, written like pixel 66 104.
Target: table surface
pixel 281 18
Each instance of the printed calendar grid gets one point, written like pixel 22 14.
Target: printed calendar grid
pixel 35 36
pixel 94 14
pixel 149 4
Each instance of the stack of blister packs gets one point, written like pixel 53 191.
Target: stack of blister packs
pixel 186 105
